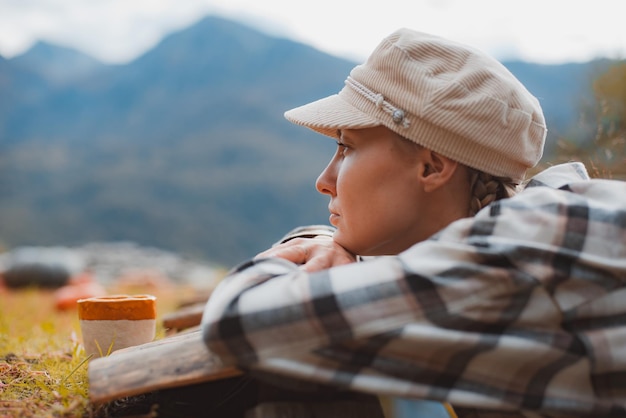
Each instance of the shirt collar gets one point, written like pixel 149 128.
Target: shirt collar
pixel 559 175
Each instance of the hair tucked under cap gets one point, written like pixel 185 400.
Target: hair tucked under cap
pixel 445 96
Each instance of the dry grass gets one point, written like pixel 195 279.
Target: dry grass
pixel 43 367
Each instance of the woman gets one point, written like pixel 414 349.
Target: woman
pixel 467 291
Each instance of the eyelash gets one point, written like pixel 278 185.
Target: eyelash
pixel 341 147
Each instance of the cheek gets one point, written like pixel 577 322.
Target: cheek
pixel 373 198
pixel 360 191
pixel 386 200
pixel 354 191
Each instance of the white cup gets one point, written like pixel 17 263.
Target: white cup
pixel 110 323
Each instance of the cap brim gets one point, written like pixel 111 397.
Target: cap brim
pixel 330 114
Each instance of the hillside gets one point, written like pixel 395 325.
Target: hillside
pixel 184 148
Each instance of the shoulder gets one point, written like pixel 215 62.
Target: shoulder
pixel 558 204
pixel 558 175
pixel 569 185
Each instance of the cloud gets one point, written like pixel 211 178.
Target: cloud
pixel 119 30
pixel 112 30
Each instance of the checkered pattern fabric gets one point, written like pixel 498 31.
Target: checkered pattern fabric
pixel 520 308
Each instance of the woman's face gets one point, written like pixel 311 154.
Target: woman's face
pixel 372 181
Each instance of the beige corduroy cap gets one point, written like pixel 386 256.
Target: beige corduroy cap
pixel 443 95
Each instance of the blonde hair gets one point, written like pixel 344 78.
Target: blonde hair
pixel 487 188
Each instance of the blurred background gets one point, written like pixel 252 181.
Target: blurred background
pixel 158 125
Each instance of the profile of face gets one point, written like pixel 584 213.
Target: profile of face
pixel 375 198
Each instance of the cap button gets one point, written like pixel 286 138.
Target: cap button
pixel 397 116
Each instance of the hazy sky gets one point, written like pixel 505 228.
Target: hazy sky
pixel 547 31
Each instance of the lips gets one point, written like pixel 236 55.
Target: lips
pixel 334 217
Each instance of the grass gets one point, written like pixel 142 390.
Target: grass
pixel 43 366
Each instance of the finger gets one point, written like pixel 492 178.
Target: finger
pixel 295 253
pixel 326 261
pixel 316 264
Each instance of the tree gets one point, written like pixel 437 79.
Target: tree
pixel 602 148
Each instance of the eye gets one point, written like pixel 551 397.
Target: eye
pixel 341 147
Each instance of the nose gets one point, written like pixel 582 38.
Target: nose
pixel 327 181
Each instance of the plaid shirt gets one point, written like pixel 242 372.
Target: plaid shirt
pixel 520 308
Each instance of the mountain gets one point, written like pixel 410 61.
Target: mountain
pixel 57 64
pixel 184 148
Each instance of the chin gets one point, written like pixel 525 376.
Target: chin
pixel 345 243
pixel 377 249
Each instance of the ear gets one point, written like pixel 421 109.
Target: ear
pixel 436 170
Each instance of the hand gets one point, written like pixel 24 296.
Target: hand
pixel 312 254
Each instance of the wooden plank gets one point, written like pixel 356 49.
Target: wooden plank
pixel 200 296
pixel 186 317
pixel 170 362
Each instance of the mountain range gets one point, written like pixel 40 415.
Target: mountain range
pixel 186 148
